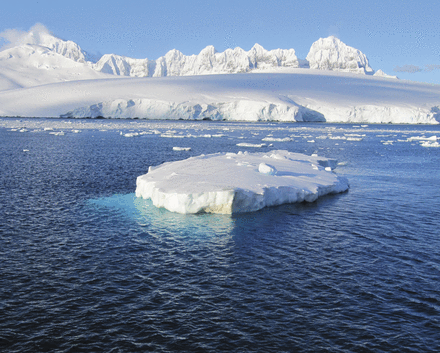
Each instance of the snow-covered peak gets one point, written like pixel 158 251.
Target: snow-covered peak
pixel 174 54
pixel 208 51
pixel 39 35
pixel 122 66
pixel 332 54
pixel 257 48
pixel 68 49
pixel 208 61
pixel 29 65
pixel 37 56
pixel 380 73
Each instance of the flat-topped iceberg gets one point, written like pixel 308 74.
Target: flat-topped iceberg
pixel 242 182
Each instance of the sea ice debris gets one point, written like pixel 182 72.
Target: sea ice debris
pixel 181 148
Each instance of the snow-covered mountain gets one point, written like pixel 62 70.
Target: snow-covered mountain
pixel 380 73
pixel 38 45
pixel 68 49
pixel 208 61
pixel 45 76
pixel 332 54
pixel 30 65
pixel 325 54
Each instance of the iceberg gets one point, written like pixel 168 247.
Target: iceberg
pixel 240 182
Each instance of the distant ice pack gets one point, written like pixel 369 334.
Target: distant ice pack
pixel 239 182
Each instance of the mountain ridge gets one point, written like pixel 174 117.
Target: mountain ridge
pixel 325 54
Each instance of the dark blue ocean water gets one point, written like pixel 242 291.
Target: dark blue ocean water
pixel 87 267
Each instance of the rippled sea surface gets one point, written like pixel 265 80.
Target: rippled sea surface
pixel 85 266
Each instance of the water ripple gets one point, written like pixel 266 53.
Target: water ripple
pixel 88 267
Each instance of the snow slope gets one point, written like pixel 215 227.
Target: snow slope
pixel 243 182
pixel 32 65
pixel 68 49
pixel 301 95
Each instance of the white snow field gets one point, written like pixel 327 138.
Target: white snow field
pixel 33 65
pixel 234 183
pixel 300 95
pixel 44 76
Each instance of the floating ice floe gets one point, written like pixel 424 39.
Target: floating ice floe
pixel 422 138
pixel 181 148
pixel 132 134
pixel 252 145
pixel 277 139
pixel 243 182
pixel 430 144
pixel 337 137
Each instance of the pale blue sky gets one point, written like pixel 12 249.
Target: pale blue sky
pixel 393 34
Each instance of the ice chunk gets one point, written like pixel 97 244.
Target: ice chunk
pixel 251 145
pixel 277 139
pixel 266 169
pixel 242 182
pixel 181 148
pixel 430 144
pixel 422 138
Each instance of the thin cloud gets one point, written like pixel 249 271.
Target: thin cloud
pixel 414 68
pixel 15 37
pixel 432 67
pixel 408 68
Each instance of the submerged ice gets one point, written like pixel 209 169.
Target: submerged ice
pixel 242 182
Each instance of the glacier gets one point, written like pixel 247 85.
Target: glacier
pixel 240 182
pixel 297 95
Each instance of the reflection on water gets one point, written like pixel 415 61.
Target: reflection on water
pixel 158 221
